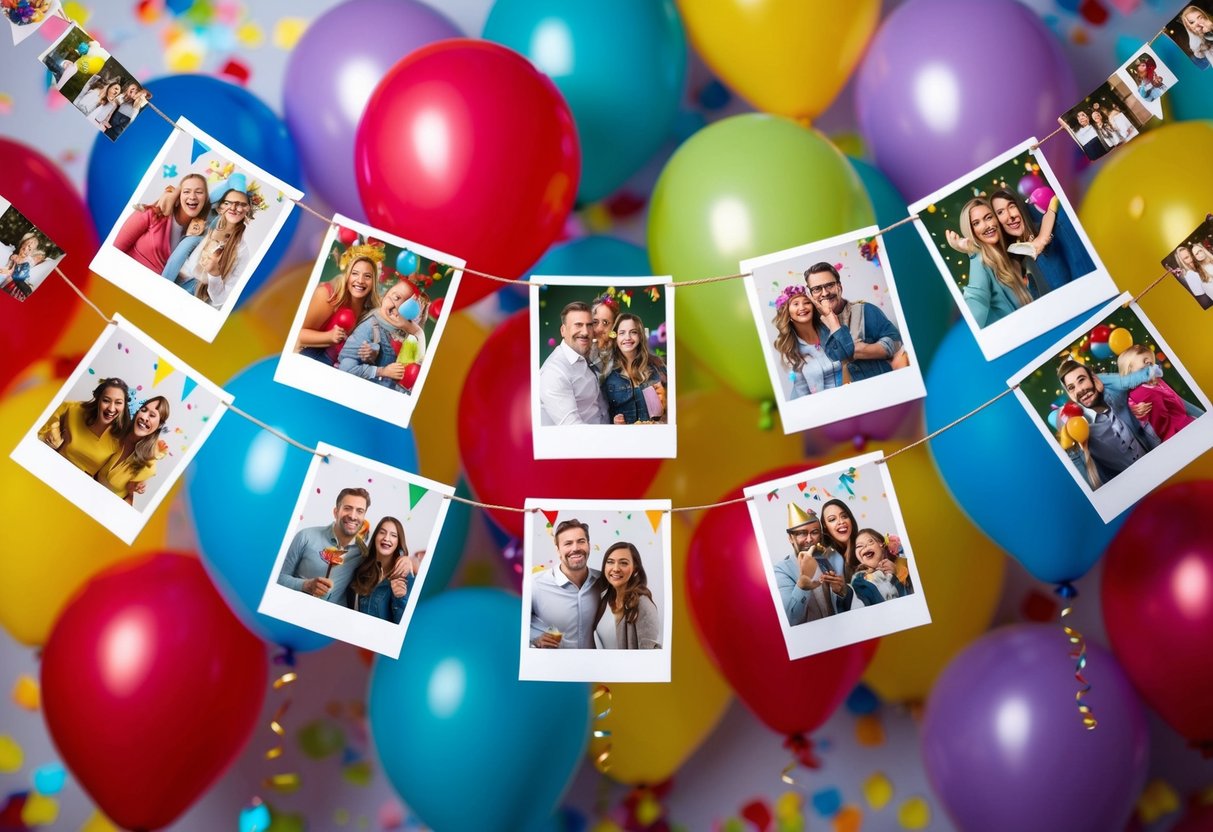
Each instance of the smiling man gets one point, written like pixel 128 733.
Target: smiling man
pixel 857 334
pixel 307 560
pixel 569 393
pixel 564 600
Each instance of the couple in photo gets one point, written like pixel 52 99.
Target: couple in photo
pixel 110 103
pixel 339 563
pixel 110 437
pixel 602 371
pixel 574 606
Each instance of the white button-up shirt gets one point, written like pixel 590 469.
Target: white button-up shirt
pixel 568 390
pixel 558 602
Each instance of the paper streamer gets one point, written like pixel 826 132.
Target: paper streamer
pixel 600 702
pixel 1078 654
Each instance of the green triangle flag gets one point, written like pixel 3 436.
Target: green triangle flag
pixel 416 492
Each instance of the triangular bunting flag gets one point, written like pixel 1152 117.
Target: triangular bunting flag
pixel 188 388
pixel 654 518
pixel 198 149
pixel 551 516
pixel 163 371
pixel 416 492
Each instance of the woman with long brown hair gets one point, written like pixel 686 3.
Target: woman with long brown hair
pixel 629 370
pixel 799 344
pixel 218 263
pixel 126 472
pixel 381 584
pixel 86 432
pixel 326 323
pixel 634 623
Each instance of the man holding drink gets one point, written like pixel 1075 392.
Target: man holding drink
pixel 564 600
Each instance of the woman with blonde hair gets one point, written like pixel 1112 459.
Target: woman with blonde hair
pixel 1199 26
pixel 139 448
pixel 997 285
pixel 799 345
pixel 337 306
pixel 1203 259
pixel 219 261
pixel 629 370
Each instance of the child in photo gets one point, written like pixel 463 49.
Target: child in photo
pixel 15 277
pixel 1168 412
pixel 876 576
pixel 1150 84
pixel 389 339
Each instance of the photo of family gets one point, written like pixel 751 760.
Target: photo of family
pixel 839 564
pixel 195 230
pixel 122 429
pixel 27 255
pixel 26 16
pixel 602 367
pixel 1011 250
pixel 1192 32
pixel 1192 263
pixel 94 82
pixel 370 321
pixel 1112 399
pixel 354 559
pixel 596 591
pixel 834 334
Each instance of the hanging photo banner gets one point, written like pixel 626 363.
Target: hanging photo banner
pixel 122 429
pixel 27 16
pixel 27 254
pixel 94 82
pixel 1192 263
pixel 195 230
pixel 1192 32
pixel 597 591
pixel 355 555
pixel 833 332
pixel 1011 250
pixel 1116 406
pixel 836 555
pixel 370 321
pixel 602 367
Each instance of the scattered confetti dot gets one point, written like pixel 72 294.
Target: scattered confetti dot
pixel 848 819
pixel 862 700
pixel 26 693
pixel 869 731
pixel 98 822
pixel 49 779
pixel 915 813
pixel 758 813
pixel 11 755
pixel 39 810
pixel 827 802
pixel 250 35
pixel 358 774
pixel 1157 800
pixel 341 817
pixel 255 818
pixel 77 12
pixel 184 54
pixel 391 815
pixel 287 32
pixel 878 791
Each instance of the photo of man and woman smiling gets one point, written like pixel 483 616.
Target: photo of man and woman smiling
pixel 354 558
pixel 602 367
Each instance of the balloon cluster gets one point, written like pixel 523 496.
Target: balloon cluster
pixel 25 12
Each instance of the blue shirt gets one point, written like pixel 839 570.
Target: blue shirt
pixel 304 561
pixel 558 602
pixel 877 329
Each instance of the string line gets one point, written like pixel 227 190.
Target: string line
pixel 1036 146
pixel 948 426
pixel 84 297
pixel 1151 285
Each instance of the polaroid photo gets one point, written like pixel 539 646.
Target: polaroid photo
pixel 602 367
pixel 1192 31
pixel 27 255
pixel 838 561
pixel 122 429
pixel 94 82
pixel 27 17
pixel 370 321
pixel 1121 108
pixel 1148 78
pixel 1011 250
pixel 597 594
pixel 817 308
pixel 355 554
pixel 1192 263
pixel 1116 406
pixel 227 213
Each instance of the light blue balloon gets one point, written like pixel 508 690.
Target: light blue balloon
pixel 243 485
pixel 406 262
pixel 410 309
pixel 999 468
pixel 925 298
pixel 451 712
pixel 595 254
pixel 620 66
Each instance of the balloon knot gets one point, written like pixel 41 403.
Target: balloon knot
pixel 1066 590
pixel 801 748
pixel 286 657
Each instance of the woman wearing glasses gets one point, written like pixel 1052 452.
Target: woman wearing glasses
pixel 216 262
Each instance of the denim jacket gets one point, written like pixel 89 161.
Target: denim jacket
pixel 381 603
pixel 622 397
pixel 864 319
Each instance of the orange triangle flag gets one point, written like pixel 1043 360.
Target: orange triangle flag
pixel 655 518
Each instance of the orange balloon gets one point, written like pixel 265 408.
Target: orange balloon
pixel 272 309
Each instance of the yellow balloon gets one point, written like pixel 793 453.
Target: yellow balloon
pixel 771 51
pixel 654 728
pixel 1120 340
pixel 1078 429
pixel 272 309
pixel 1065 439
pixel 960 569
pixel 90 64
pixel 38 582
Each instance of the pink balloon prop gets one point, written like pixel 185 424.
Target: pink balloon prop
pixel 344 318
pixel 1041 197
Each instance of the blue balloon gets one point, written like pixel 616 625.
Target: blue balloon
pixel 1101 350
pixel 999 468
pixel 444 560
pixel 244 483
pixel 596 254
pixel 925 298
pixel 451 712
pixel 231 114
pixel 406 262
pixel 619 65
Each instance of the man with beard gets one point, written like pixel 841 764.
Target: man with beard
pixel 857 334
pixel 569 393
pixel 564 600
pixel 306 567
pixel 810 579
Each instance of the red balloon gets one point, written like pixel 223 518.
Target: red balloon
pixel 732 606
pixel 38 189
pixel 1071 409
pixel 1157 592
pixel 150 688
pixel 344 319
pixel 436 308
pixel 495 437
pixel 346 236
pixel 411 371
pixel 1100 333
pixel 465 147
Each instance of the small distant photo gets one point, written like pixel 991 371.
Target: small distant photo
pixel 370 321
pixel 194 232
pixel 1116 405
pixel 839 564
pixel 1192 263
pixel 26 16
pixel 1149 78
pixel 27 255
pixel 122 429
pixel 834 336
pixel 1121 108
pixel 95 82
pixel 357 550
pixel 602 367
pixel 1192 32
pixel 596 592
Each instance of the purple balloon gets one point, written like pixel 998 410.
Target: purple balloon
pixel 1004 745
pixel 875 426
pixel 330 76
pixel 935 101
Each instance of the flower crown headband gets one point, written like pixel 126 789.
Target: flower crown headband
pixel 790 292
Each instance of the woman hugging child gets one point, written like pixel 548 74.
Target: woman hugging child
pixel 875 573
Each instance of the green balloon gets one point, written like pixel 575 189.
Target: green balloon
pixel 748 185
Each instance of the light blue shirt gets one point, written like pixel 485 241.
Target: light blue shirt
pixel 304 561
pixel 558 602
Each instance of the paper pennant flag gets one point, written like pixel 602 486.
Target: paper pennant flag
pixel 163 371
pixel 654 518
pixel 551 516
pixel 416 492
pixel 198 149
pixel 187 388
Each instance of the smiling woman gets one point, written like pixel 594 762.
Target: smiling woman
pixel 85 433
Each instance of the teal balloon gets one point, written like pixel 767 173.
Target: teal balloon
pixel 596 254
pixel 444 560
pixel 925 298
pixel 620 66
pixel 406 262
pixel 450 715
pixel 748 185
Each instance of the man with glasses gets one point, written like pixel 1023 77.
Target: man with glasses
pixel 857 334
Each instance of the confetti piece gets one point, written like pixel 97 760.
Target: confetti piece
pixel 648 810
pixel 255 818
pixel 848 819
pixel 49 779
pixel 358 774
pixel 915 813
pixel 878 791
pixel 607 826
pixel 284 822
pixel 11 755
pixel 320 738
pixel 250 35
pixel 391 815
pixel 287 32
pixel 77 12
pixel 184 55
pixel 98 822
pixel 26 692
pixel 39 810
pixel 341 817
pixel 147 11
pixel 862 701
pixel 237 70
pixel 733 825
pixel 758 813
pixel 827 802
pixel 1158 799
pixel 869 731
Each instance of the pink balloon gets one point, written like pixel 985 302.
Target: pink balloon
pixel 1041 197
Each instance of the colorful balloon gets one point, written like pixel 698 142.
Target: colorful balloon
pixel 876 426
pixel 411 372
pixel 1120 340
pixel 406 262
pixel 595 254
pixel 436 423
pixel 783 56
pixel 150 688
pixel 1078 430
pixel 454 687
pixel 499 190
pixel 745 186
pixel 1003 712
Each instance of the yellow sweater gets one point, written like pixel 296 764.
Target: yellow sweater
pixel 84 449
pixel 116 475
